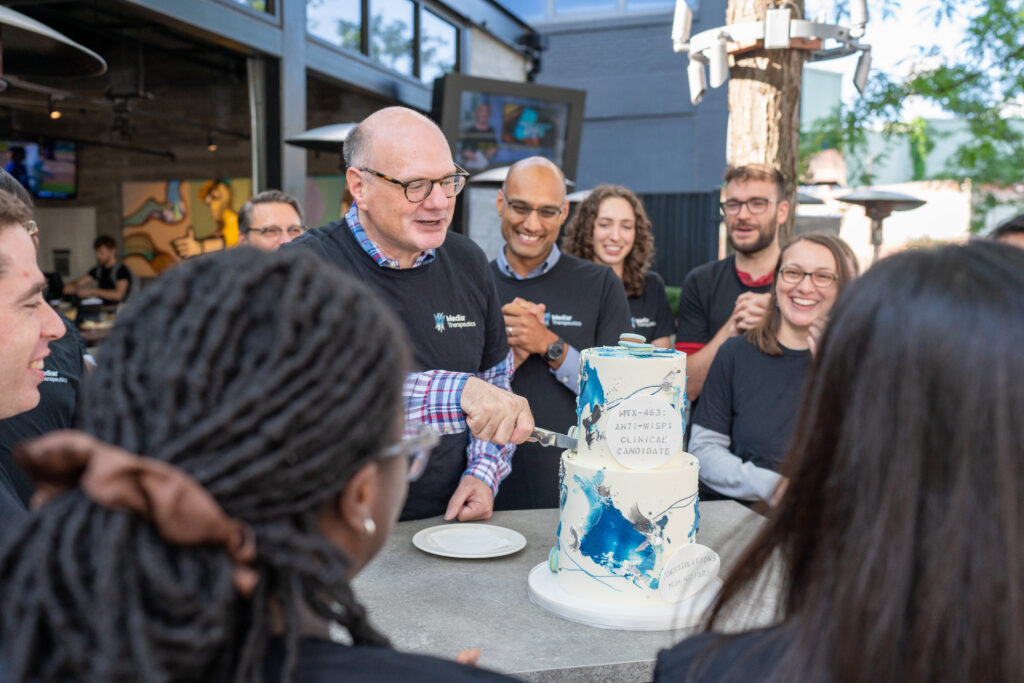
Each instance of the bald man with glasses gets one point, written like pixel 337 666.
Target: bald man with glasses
pixel 395 238
pixel 554 305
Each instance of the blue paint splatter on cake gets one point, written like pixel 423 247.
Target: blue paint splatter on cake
pixel 612 541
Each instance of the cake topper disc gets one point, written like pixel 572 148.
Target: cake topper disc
pixel 644 432
pixel 687 572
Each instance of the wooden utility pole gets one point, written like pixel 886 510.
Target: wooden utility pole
pixel 764 102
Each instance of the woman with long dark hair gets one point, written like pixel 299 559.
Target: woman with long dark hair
pixel 899 536
pixel 747 411
pixel 264 390
pixel 610 227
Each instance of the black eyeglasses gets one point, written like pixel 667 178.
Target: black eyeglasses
pixel 418 190
pixel 820 279
pixel 523 210
pixel 274 231
pixel 755 205
pixel 418 449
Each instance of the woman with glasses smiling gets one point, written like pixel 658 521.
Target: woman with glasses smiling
pixel 747 409
pixel 264 390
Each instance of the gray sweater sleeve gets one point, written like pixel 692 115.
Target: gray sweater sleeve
pixel 724 472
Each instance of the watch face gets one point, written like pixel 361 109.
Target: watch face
pixel 555 350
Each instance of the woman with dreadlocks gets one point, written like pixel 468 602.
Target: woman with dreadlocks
pixel 264 390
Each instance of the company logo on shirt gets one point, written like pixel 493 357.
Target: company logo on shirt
pixel 54 376
pixel 643 322
pixel 453 321
pixel 562 320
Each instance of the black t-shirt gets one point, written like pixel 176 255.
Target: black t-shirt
pixel 107 278
pixel 707 299
pixel 652 313
pixel 753 397
pixel 58 397
pixel 718 658
pixel 586 305
pixel 322 661
pixel 453 320
pixel 12 510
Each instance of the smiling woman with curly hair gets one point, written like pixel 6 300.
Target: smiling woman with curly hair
pixel 611 227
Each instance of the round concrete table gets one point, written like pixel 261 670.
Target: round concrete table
pixel 439 606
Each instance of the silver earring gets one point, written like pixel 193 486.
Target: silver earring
pixel 369 526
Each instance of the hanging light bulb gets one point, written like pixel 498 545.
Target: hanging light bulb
pixel 55 113
pixel 211 144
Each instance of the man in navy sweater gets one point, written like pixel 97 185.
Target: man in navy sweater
pixel 395 239
pixel 554 306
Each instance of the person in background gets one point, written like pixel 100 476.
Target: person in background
pixel 898 537
pixel 270 474
pixel 58 393
pixel 554 305
pixel 610 227
pixel 1010 232
pixel 747 413
pixel 726 298
pixel 396 239
pixel 28 325
pixel 270 219
pixel 108 280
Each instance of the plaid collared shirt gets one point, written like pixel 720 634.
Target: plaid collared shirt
pixel 352 218
pixel 434 397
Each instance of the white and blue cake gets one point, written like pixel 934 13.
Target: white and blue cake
pixel 628 494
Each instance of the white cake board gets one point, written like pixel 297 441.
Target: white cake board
pixel 546 592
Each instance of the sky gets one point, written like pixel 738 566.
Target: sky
pixel 894 45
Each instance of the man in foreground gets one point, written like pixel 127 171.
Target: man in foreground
pixel 395 238
pixel 27 326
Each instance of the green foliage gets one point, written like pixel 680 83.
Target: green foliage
pixel 981 83
pixel 921 143
pixel 842 130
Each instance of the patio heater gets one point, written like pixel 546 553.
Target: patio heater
pixel 496 176
pixel 324 139
pixel 34 50
pixel 879 205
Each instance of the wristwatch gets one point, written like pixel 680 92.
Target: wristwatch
pixel 555 350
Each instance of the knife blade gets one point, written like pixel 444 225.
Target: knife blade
pixel 548 438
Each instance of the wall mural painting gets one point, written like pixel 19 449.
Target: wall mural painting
pixel 166 221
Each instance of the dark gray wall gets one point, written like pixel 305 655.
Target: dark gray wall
pixel 640 129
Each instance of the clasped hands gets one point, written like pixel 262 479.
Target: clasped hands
pixel 524 325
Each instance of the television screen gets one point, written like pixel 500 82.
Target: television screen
pixel 46 168
pixel 502 129
pixel 492 123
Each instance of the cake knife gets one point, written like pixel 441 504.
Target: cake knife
pixel 548 438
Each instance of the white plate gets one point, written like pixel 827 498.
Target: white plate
pixel 473 541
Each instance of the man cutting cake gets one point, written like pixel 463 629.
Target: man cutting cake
pixel 395 238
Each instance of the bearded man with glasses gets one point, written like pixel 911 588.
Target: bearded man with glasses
pixel 725 298
pixel 395 239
